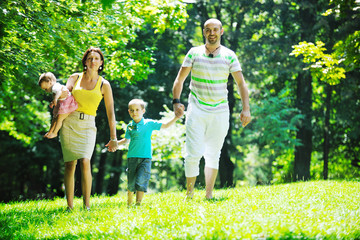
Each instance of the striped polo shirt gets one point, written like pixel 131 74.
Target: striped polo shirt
pixel 209 76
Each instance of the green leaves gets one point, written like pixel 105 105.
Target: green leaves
pixel 348 50
pixel 51 35
pixel 324 67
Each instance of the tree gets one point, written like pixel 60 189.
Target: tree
pixel 33 31
pixel 331 67
pixel 38 36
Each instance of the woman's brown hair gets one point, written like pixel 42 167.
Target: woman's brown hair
pixel 93 49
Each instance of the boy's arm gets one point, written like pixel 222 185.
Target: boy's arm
pixel 123 141
pixel 171 122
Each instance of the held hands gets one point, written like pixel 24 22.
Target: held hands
pixel 245 117
pixel 179 109
pixel 112 145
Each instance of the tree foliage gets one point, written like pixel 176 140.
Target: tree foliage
pixel 40 36
pixel 323 66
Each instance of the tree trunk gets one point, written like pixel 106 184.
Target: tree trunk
pixel 226 166
pixel 77 190
pixel 304 134
pixel 307 20
pixel 115 173
pixel 101 174
pixel 326 145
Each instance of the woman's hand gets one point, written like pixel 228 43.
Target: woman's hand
pixel 64 93
pixel 112 145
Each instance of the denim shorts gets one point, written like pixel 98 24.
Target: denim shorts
pixel 138 174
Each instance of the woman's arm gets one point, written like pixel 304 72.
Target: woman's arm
pixel 69 85
pixel 71 81
pixel 109 105
pixel 56 97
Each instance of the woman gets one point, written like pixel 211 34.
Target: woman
pixel 78 133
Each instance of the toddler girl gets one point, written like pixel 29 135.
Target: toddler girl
pixel 62 106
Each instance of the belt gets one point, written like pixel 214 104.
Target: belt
pixel 83 116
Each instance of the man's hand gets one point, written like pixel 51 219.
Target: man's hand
pixel 179 109
pixel 245 118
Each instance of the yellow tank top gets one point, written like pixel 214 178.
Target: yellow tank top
pixel 88 100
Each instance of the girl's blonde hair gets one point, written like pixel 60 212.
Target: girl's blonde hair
pixel 47 77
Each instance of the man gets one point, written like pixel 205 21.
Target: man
pixel 207 120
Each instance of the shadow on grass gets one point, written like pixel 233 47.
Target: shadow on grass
pixel 217 199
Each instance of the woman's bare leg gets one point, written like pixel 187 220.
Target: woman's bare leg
pixel 69 181
pixel 86 181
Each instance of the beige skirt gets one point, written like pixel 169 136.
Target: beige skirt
pixel 77 136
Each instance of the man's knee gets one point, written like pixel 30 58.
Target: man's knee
pixel 192 167
pixel 212 163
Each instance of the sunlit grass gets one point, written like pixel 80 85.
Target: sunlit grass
pixel 306 210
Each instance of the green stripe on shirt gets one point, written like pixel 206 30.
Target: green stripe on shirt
pixel 208 81
pixel 208 104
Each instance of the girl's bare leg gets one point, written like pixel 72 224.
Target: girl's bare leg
pixel 69 181
pixel 86 181
pixel 52 127
pixel 56 125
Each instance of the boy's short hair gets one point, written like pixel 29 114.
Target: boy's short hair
pixel 137 101
pixel 47 77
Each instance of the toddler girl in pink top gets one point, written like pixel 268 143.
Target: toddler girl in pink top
pixel 62 106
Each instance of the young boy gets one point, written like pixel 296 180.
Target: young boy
pixel 138 132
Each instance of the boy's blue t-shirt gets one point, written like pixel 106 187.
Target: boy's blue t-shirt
pixel 140 137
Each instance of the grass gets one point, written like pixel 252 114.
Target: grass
pixel 305 210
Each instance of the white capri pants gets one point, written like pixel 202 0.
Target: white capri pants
pixel 205 135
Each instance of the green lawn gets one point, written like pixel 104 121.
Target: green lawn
pixel 305 210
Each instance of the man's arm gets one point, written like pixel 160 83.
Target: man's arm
pixel 177 89
pixel 245 115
